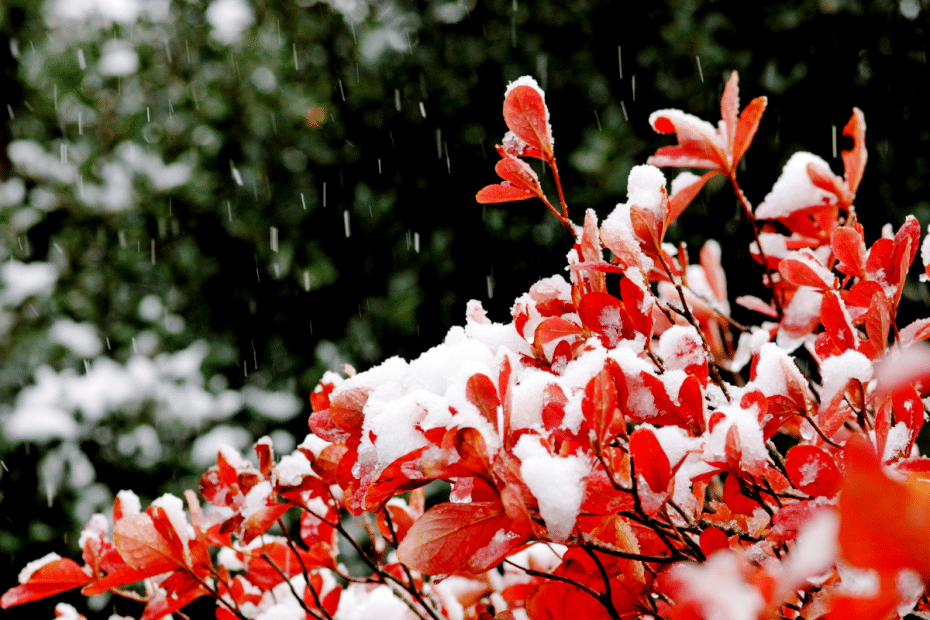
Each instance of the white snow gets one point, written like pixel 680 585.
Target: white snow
pixel 683 180
pixel 207 446
pixel 32 567
pixel 229 19
pixel 118 58
pixel 528 401
pixel 277 406
pixel 644 188
pixel 129 502
pixel 815 549
pixel 754 452
pixel 689 128
pixel 837 371
pixel 80 338
pixel 359 602
pixel 107 11
pixel 556 483
pixel 24 280
pixel 32 160
pixel 720 588
pixel 896 442
pixel 794 190
pixel 680 346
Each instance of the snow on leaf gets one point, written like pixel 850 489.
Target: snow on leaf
pixel 526 115
pixel 53 576
pixel 143 548
pixel 812 470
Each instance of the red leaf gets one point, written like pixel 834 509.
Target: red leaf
pixel 552 329
pixel 262 520
pixel 813 471
pixel 518 173
pixel 143 548
pixel 747 126
pixel 691 402
pixel 599 404
pixel 733 450
pixel 729 109
pixel 319 398
pixel 501 192
pixel 481 392
pixel 605 315
pixel 836 323
pixel 908 408
pixel 680 201
pixel 800 273
pixel 176 599
pixel 849 247
pixel 854 159
pixel 450 538
pixel 400 476
pixel 526 115
pixel 754 303
pixel 915 332
pixel 861 294
pixel 734 498
pixel 53 578
pixel 878 324
pixel 713 540
pixel 906 243
pixel 823 177
pixel 878 264
pixel 504 389
pixel 347 410
pixel 650 459
pixel 884 523
pixel 690 155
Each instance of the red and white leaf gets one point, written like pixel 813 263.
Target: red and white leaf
pixel 803 268
pixel 812 471
pixel 526 116
pixel 54 577
pixel 143 548
pixel 606 316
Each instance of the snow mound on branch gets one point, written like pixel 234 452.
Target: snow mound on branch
pixel 556 483
pixel 794 190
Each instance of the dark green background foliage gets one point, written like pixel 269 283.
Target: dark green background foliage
pixel 399 177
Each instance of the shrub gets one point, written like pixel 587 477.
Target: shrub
pixel 607 459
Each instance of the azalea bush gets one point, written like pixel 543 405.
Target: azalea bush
pixel 604 452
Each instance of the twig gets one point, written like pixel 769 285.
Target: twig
pixel 755 233
pixel 303 568
pixel 686 312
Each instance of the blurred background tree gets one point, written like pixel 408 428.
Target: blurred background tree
pixel 207 204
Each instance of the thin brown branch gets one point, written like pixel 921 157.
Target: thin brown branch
pixel 753 224
pixel 686 312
